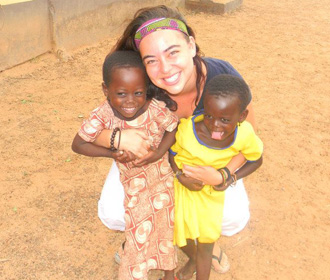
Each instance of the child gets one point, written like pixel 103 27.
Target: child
pixel 149 199
pixel 211 138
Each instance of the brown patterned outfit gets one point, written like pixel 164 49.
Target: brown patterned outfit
pixel 149 196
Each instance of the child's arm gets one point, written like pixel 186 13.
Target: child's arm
pixel 248 168
pixel 156 153
pixel 189 182
pixel 80 146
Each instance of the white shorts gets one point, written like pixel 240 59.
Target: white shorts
pixel 111 211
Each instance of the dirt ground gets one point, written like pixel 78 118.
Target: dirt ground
pixel 49 227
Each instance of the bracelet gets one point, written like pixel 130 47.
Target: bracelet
pixel 223 174
pixel 227 172
pixel 234 176
pixel 119 139
pixel 112 139
pixel 223 179
pixel 178 173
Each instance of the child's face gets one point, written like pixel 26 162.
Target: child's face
pixel 221 115
pixel 127 92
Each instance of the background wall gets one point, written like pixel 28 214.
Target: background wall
pixel 31 28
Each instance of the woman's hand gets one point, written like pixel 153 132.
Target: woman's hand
pixel 152 156
pixel 206 174
pixel 190 183
pixel 223 187
pixel 135 141
pixel 131 140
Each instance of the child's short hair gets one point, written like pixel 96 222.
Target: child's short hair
pixel 122 59
pixel 225 85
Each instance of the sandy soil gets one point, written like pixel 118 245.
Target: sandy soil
pixel 49 227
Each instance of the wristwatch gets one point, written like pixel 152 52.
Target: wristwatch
pixel 178 173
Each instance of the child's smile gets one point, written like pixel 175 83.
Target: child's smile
pixel 127 92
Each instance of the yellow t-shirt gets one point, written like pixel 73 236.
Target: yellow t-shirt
pixel 198 214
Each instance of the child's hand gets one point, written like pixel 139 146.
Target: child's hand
pixel 152 156
pixel 190 183
pixel 123 156
pixel 223 187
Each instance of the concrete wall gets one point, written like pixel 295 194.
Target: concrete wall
pixel 29 29
pixel 24 32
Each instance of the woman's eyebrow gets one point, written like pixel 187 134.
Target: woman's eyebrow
pixel 166 50
pixel 147 56
pixel 171 47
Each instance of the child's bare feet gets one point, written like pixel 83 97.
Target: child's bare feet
pixel 188 271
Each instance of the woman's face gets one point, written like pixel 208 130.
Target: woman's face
pixel 168 58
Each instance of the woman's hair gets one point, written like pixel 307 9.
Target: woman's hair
pixel 124 59
pixel 126 42
pixel 225 85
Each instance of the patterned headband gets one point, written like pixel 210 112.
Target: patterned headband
pixel 157 24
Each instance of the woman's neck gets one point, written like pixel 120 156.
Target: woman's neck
pixel 186 100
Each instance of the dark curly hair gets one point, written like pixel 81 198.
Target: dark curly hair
pixel 225 85
pixel 124 59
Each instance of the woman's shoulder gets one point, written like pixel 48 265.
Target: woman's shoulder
pixel 217 66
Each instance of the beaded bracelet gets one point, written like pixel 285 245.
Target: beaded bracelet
pixel 222 173
pixel 224 178
pixel 119 139
pixel 112 139
pixel 227 172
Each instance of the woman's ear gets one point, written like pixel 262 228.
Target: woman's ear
pixel 192 45
pixel 243 116
pixel 105 90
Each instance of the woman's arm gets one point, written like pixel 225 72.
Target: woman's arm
pixel 156 153
pixel 209 175
pixel 131 140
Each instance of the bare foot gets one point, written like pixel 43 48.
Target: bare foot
pixel 188 271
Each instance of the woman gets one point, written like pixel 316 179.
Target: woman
pixel 174 63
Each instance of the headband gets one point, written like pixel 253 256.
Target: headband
pixel 157 24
